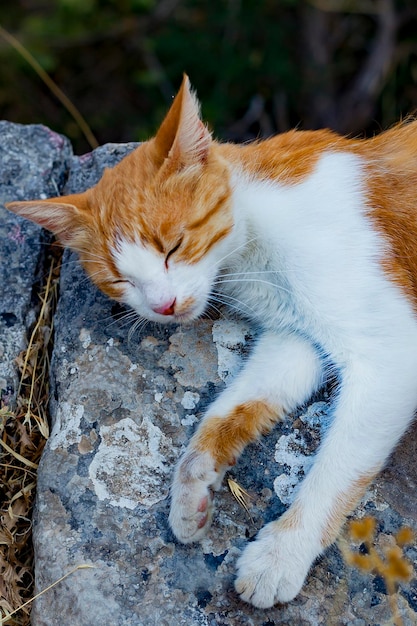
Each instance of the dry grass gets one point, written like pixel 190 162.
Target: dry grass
pixel 23 434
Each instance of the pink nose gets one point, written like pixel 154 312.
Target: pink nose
pixel 166 309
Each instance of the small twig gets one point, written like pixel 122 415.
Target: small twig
pixel 17 455
pixel 34 332
pixel 24 491
pixel 9 615
pixel 51 84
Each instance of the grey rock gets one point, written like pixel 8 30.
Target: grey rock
pixel 34 163
pixel 122 410
pixel 86 170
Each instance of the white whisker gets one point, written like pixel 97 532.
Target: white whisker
pixel 231 305
pixel 137 326
pixel 219 281
pixel 91 255
pixel 244 273
pixel 212 306
pixel 135 317
pixel 126 318
pixel 220 298
pixel 245 243
pixel 89 277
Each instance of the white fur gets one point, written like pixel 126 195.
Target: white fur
pixel 305 259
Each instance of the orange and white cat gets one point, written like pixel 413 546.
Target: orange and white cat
pixel 314 236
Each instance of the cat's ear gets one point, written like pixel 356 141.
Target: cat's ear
pixel 63 216
pixel 182 136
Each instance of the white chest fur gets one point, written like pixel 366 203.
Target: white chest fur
pixel 313 261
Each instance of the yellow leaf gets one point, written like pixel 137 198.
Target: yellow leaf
pixel 362 529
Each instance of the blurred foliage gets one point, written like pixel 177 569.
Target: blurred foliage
pixel 259 66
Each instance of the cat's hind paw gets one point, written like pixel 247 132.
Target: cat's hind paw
pixel 192 496
pixel 271 569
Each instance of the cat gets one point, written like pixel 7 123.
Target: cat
pixel 314 236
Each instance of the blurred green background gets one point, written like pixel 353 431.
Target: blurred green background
pixel 259 66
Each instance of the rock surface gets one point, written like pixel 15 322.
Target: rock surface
pixel 123 409
pixel 33 164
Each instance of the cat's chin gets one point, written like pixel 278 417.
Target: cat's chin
pixel 182 317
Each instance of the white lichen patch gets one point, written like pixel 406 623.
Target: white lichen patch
pixel 315 415
pixel 297 463
pixel 129 466
pixel 295 451
pixel 230 337
pixel 190 400
pixel 189 420
pixel 191 357
pixel 66 430
pixel 85 338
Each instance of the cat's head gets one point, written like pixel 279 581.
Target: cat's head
pixel 153 231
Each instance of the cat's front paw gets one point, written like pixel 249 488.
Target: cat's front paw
pixel 273 568
pixel 191 511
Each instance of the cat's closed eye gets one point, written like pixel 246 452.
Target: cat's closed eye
pixel 172 251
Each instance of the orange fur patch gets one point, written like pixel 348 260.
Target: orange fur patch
pixel 185 305
pixel 291 519
pixel 344 505
pixel 392 201
pixel 138 202
pixel 286 158
pixel 226 437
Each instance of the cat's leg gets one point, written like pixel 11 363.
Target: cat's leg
pixel 375 406
pixel 281 373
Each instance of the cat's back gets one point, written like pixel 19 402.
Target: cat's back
pixel 391 198
pixel 385 170
pixel 293 155
pixel 395 148
pixel 287 158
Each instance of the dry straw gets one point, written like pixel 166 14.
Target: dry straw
pixel 6 619
pixel 24 430
pixel 23 433
pixel 241 496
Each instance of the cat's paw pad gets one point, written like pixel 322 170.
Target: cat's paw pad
pixel 192 496
pixel 191 521
pixel 271 569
